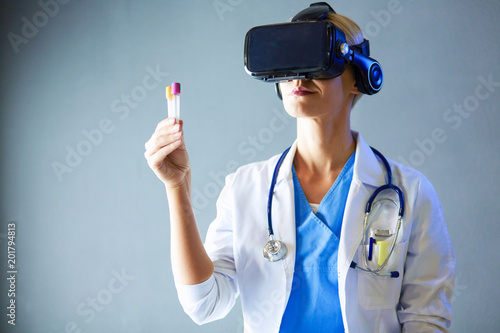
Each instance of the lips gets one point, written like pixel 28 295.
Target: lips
pixel 301 91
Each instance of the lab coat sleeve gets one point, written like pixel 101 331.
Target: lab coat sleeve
pixel 215 297
pixel 429 269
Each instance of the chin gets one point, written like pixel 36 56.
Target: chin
pixel 299 109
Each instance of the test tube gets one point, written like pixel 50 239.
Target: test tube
pixel 382 251
pixel 170 101
pixel 176 92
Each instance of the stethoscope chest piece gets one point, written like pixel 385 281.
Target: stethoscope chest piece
pixel 275 250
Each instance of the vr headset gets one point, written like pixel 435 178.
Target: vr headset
pixel 309 47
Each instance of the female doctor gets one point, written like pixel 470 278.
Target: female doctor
pixel 318 212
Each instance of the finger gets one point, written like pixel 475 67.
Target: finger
pixel 155 160
pixel 158 142
pixel 166 148
pixel 169 122
pixel 161 134
pixel 168 129
pixel 165 122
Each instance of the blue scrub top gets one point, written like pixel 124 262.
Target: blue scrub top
pixel 314 304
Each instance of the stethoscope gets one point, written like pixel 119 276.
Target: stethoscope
pixel 276 250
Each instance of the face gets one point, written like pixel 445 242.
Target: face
pixel 319 98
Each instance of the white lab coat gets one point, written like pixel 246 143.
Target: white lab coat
pixel 417 301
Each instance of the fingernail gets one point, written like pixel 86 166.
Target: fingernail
pixel 176 127
pixel 171 120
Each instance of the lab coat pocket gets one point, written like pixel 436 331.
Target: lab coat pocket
pixel 376 292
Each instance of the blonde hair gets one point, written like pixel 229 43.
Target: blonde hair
pixel 353 36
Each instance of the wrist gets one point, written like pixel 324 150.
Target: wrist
pixel 180 191
pixel 183 184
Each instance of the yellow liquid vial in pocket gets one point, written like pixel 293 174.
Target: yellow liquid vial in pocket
pixel 382 251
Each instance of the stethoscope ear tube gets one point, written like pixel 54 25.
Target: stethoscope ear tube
pixel 389 185
pixel 393 274
pixel 386 187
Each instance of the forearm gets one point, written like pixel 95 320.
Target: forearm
pixel 205 296
pixel 190 262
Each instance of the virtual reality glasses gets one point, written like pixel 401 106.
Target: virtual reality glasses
pixel 309 47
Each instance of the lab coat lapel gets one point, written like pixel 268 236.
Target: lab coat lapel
pixel 352 227
pixel 367 175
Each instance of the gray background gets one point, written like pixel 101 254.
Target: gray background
pixel 107 214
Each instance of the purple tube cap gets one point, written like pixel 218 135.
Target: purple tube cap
pixel 176 88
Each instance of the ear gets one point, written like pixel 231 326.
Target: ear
pixel 355 77
pixel 355 89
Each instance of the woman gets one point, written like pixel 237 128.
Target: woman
pixel 322 187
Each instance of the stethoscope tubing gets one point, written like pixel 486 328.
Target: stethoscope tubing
pixel 369 203
pixel 271 192
pixel 388 186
